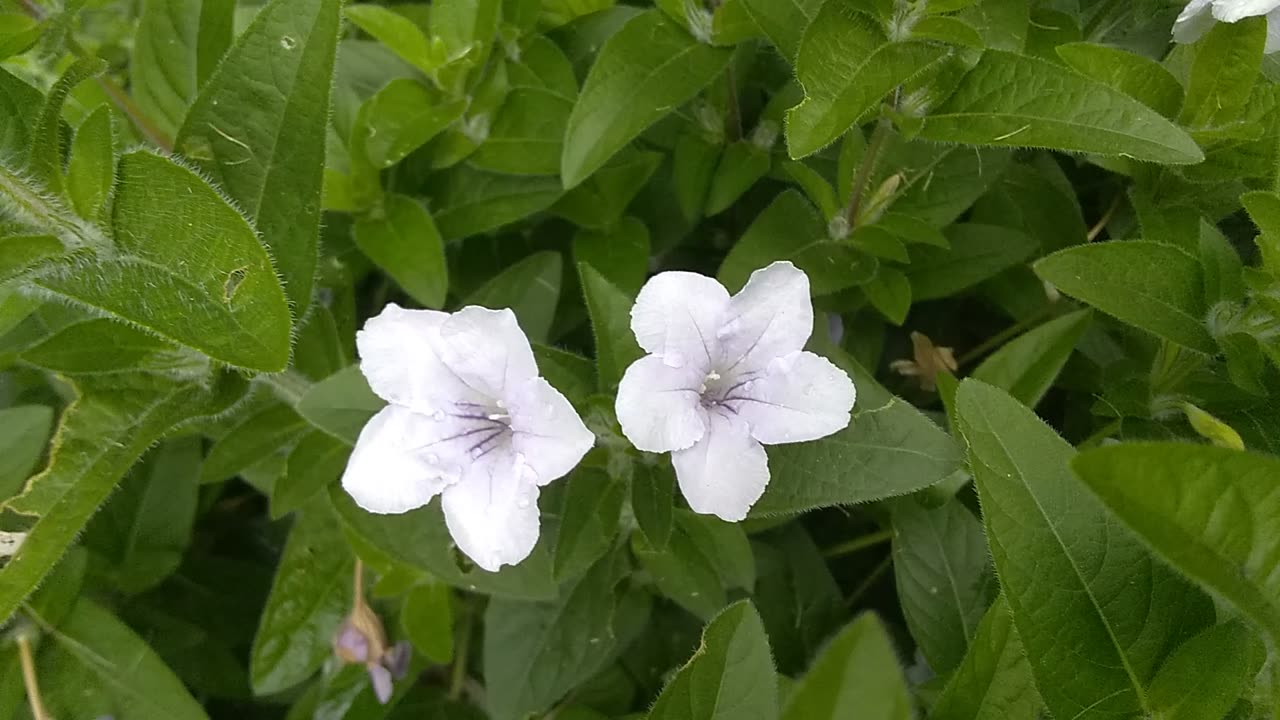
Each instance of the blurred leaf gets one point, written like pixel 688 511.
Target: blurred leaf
pixel 573 375
pixel 856 675
pixel 400 118
pixel 175 49
pixel 91 169
pixel 890 293
pixel 22 444
pixel 599 202
pixel 741 165
pixel 653 502
pixel 340 404
pixel 527 134
pixel 621 255
pixel 1154 286
pixel 1009 99
pixel 796 595
pixel 588 522
pixel 260 435
pixel 403 241
pixel 316 462
pixel 994 682
pixel 427 618
pixel 106 346
pixel 783 21
pixel 20 254
pixel 468 201
pixel 643 71
pixel 397 32
pixel 1027 366
pixel 44 163
pixel 531 288
pixel 730 677
pixel 693 162
pixel 1206 510
pixel 1208 674
pixel 1041 523
pixel 21 107
pixel 309 598
pixel 610 310
pixel 258 127
pixel 702 557
pixel 977 252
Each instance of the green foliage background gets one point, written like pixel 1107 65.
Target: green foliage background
pixel 1067 504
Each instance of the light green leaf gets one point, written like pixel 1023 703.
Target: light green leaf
pixel 177 45
pixel 1134 75
pixel 783 21
pixel 571 374
pixel 610 310
pixel 397 32
pixel 104 346
pixel 1208 511
pixel 977 252
pixel 643 71
pixel 94 665
pixel 20 254
pixel 944 577
pixel 888 449
pixel 847 66
pixel 599 202
pixel 1154 286
pixel 400 118
pixel 99 438
pixel 309 598
pixel 257 437
pixel 890 293
pixel 1111 601
pixel 702 557
pixel 468 201
pixel 531 288
pixel 1223 73
pixel 340 404
pixel 209 284
pixel 403 241
pixel 621 255
pixel 653 502
pixel 1208 674
pixel 19 110
pixel 994 682
pixel 729 677
pixel 741 165
pixel 588 521
pixel 857 675
pixel 527 134
pixel 21 444
pixel 427 618
pixel 44 163
pixel 1028 366
pixel 938 184
pixel 1014 100
pixel 258 129
pixel 140 536
pixel 316 462
pixel 534 653
pixel 92 168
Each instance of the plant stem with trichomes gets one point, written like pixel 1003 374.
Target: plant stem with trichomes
pixel 38 711
pixel 878 138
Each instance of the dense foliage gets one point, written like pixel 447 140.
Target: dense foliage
pixel 1041 238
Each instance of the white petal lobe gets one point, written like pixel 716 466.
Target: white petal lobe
pixel 676 316
pixel 384 474
pixel 658 406
pixel 726 472
pixel 487 349
pixel 772 316
pixel 546 431
pixel 492 513
pixel 1236 10
pixel 397 358
pixel 798 397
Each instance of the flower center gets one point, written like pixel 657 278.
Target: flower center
pixel 719 390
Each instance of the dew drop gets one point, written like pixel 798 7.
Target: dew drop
pixel 287 42
pixel 727 329
pixel 432 459
pixel 437 415
pixel 695 593
pixel 523 501
pixel 594 641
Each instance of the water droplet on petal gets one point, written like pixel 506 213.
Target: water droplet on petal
pixel 432 458
pixel 523 501
pixel 673 359
pixel 727 329
pixel 437 415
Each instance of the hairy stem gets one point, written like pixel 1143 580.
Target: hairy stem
pixel 859 543
pixel 865 169
pixel 29 680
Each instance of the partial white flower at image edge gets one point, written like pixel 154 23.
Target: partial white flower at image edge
pixel 726 376
pixel 1200 15
pixel 468 419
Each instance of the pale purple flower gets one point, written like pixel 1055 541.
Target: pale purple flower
pixel 725 376
pixel 469 419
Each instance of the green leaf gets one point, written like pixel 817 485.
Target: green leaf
pixel 1014 100
pixel 210 285
pixel 104 346
pixel 400 118
pixel 340 404
pixel 403 241
pixel 45 160
pixel 939 185
pixel 1206 510
pixel 527 134
pixel 1030 197
pixel 94 665
pixel 847 66
pixel 643 71
pixel 1153 286
pixel 977 252
pixel 571 374
pixel 890 293
pixel 1111 601
pixel 791 229
pixel 857 675
pixel 1028 366
pixel 427 618
pixel 1223 73
pixel 140 536
pixel 531 288
pixel 588 522
pixel 259 436
pixel 994 682
pixel 535 653
pixel 888 449
pixel 621 254
pixel 309 598
pixel 610 310
pixel 468 201
pixel 798 599
pixel 258 129
pixel 599 202
pixel 316 462
pixel 701 558
pixel 101 435
pixel 92 168
pixel 783 21
pixel 741 165
pixel 729 677
pixel 1134 75
pixel 943 575
pixel 653 502
pixel 20 254
pixel 177 45
pixel 19 110
pixel 397 32
pixel 1208 674
pixel 693 162
pixel 22 444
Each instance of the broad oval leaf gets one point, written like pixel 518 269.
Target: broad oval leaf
pixel 403 241
pixel 1027 366
pixel 994 682
pixel 857 675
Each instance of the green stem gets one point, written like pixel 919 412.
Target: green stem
pixel 38 711
pixel 1101 434
pixel 1004 336
pixel 859 543
pixel 458 677
pixel 868 581
pixel 865 169
pixel 32 206
pixel 289 386
pixel 733 121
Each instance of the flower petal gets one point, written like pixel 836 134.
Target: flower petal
pixel 676 316
pixel 1273 32
pixel 726 472
pixel 798 397
pixel 492 513
pixel 380 679
pixel 771 317
pixel 397 358
pixel 547 432
pixel 1236 10
pixel 487 349
pixel 659 407
pixel 385 473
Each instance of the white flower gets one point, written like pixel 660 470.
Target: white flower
pixel 1200 15
pixel 725 376
pixel 469 419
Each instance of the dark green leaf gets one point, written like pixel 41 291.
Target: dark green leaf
pixel 260 435
pixel 994 682
pixel 531 288
pixel 22 444
pixel 1139 77
pixel 588 522
pixel 1223 73
pixel 857 675
pixel 621 255
pixel 1028 366
pixel 653 502
pixel 1207 674
pixel 468 201
pixel 427 618
pixel 610 310
pixel 316 462
pixel 177 45
pixel 340 404
pixel 403 241
pixel 977 252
